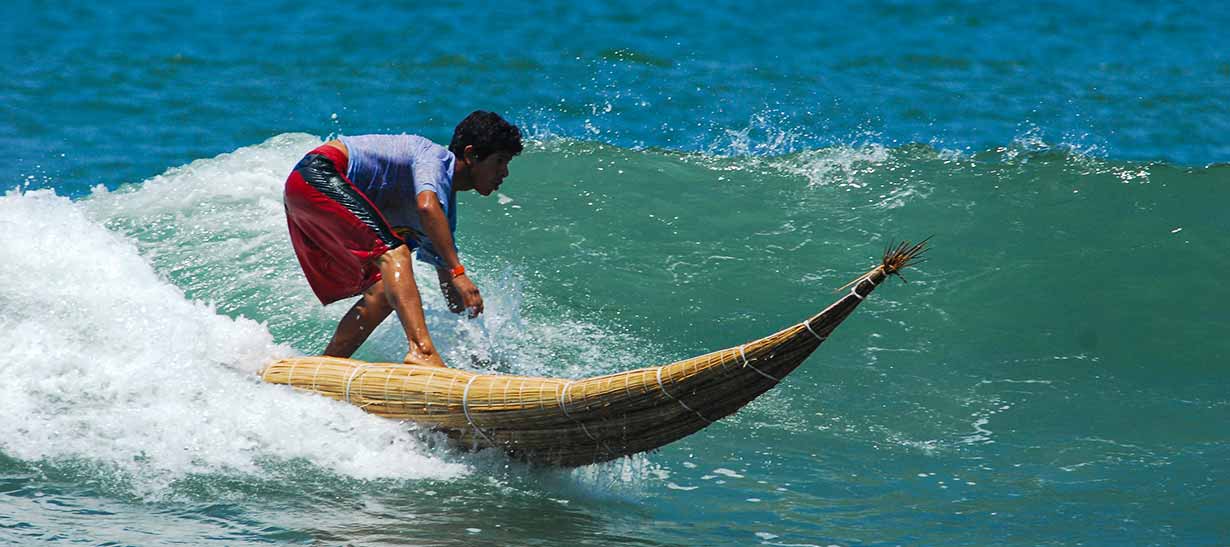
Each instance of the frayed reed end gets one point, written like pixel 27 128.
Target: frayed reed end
pixel 896 258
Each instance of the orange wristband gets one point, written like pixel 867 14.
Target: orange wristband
pixel 458 271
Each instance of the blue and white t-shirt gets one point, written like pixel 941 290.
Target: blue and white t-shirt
pixel 392 170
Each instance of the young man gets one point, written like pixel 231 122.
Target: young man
pixel 357 206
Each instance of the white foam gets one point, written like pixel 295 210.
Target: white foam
pixel 217 226
pixel 108 362
pixel 843 166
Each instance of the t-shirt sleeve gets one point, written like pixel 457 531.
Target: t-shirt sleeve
pixel 430 173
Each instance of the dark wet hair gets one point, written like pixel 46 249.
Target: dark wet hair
pixel 488 133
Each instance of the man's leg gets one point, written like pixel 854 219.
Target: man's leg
pixel 402 294
pixel 358 323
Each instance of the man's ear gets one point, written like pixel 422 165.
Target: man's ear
pixel 469 155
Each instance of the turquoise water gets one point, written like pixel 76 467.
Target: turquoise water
pixel 697 175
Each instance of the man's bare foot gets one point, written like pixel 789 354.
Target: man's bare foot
pixel 416 359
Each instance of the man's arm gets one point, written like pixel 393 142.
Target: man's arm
pixel 436 225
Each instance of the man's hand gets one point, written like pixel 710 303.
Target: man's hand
pixel 460 293
pixel 451 296
pixel 470 298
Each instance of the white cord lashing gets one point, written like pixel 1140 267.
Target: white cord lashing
pixel 563 397
pixel 351 378
pixel 747 364
pixel 465 407
pixel 677 400
pixel 854 289
pixel 316 375
pixel 807 325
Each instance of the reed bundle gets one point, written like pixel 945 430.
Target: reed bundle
pixel 577 422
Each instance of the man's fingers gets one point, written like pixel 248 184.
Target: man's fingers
pixel 478 304
pixel 472 299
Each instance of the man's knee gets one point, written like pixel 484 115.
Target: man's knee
pixel 400 255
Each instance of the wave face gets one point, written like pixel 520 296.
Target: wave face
pixel 696 176
pixel 111 364
pixel 1058 341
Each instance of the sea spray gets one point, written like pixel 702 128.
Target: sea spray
pixel 601 259
pixel 111 364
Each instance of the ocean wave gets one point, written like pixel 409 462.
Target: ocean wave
pixel 110 363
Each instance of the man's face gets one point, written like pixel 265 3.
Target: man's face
pixel 489 174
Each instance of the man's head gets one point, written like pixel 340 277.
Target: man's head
pixel 484 143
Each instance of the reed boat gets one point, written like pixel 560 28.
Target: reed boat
pixel 574 422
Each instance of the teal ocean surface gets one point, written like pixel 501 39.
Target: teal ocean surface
pixel 696 176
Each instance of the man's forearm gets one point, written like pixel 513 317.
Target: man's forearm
pixel 436 225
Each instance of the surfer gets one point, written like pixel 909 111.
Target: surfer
pixel 357 206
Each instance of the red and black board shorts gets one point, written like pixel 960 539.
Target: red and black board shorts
pixel 336 231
